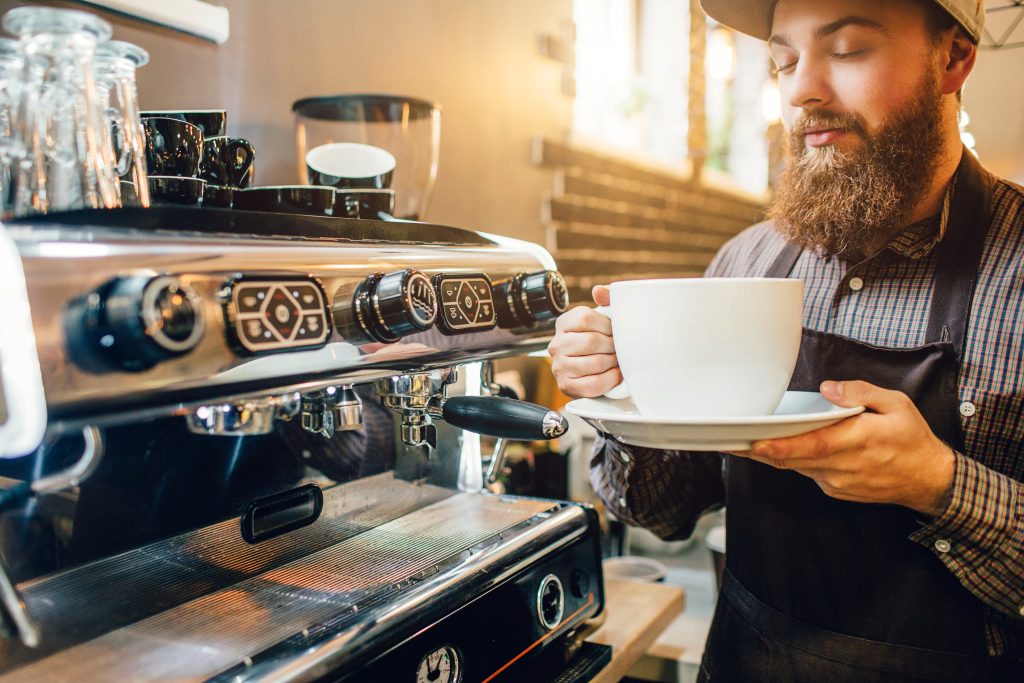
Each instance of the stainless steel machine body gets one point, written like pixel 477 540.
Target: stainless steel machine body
pixel 222 493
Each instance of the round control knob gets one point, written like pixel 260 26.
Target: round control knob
pixel 133 323
pixel 531 298
pixel 387 307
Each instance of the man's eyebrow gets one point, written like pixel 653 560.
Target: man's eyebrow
pixel 833 27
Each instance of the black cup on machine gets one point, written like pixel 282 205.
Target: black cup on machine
pixel 213 122
pixel 176 191
pixel 227 161
pixel 353 203
pixel 350 164
pixel 218 196
pixel 305 199
pixel 173 147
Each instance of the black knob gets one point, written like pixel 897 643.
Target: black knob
pixel 133 323
pixel 528 299
pixel 387 307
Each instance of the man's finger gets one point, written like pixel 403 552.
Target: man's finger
pixel 821 443
pixel 858 393
pixel 582 319
pixel 602 295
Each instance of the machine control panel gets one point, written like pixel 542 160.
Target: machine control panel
pixel 270 314
pixel 466 303
pixel 527 299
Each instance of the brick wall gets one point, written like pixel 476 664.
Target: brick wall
pixel 611 219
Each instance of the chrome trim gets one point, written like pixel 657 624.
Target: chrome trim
pixel 213 371
pixel 154 327
pixel 92 453
pixel 550 624
pixel 553 425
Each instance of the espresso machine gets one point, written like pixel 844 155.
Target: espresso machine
pixel 245 446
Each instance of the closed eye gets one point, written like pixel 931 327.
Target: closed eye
pixel 784 68
pixel 847 55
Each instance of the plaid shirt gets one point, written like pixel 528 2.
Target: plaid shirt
pixel 885 301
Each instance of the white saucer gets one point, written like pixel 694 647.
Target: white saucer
pixel 798 413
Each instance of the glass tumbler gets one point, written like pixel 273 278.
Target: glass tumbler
pixel 114 64
pixel 11 147
pixel 59 115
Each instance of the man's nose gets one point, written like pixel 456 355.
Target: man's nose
pixel 809 86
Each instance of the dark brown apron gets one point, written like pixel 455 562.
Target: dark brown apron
pixel 818 589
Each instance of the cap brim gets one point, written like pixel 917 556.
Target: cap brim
pixel 753 17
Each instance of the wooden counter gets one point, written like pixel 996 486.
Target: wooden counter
pixel 637 613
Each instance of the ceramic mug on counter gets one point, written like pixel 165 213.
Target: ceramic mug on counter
pixel 173 147
pixel 227 161
pixel 212 122
pixel 706 347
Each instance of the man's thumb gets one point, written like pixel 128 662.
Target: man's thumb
pixel 602 296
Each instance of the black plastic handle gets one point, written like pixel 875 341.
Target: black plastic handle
pixel 503 418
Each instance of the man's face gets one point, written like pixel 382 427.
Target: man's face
pixel 860 58
pixel 862 104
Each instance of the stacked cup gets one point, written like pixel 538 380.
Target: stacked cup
pixel 360 174
pixel 192 161
pixel 347 180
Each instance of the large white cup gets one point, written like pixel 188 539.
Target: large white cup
pixel 706 347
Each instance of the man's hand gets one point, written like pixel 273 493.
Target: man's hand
pixel 888 455
pixel 582 353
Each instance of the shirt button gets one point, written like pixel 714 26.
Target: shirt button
pixel 624 456
pixel 622 501
pixel 942 545
pixel 967 409
pixel 1022 610
pixel 856 284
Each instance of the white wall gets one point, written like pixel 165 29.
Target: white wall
pixel 994 99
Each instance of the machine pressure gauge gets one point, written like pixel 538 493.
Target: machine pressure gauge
pixel 440 666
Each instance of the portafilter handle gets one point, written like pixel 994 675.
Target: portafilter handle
pixel 503 418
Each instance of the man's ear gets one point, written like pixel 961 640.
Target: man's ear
pixel 958 54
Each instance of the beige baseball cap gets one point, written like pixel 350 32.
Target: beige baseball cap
pixel 754 17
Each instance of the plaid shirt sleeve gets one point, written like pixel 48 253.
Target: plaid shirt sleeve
pixel 980 535
pixel 664 491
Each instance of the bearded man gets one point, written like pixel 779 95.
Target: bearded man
pixel 889 546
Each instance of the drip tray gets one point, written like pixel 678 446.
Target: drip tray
pixel 198 638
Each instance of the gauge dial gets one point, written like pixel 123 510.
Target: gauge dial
pixel 440 666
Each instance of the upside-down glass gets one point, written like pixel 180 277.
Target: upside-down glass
pixel 11 66
pixel 59 116
pixel 114 64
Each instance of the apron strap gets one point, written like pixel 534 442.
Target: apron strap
pixel 784 262
pixel 959 253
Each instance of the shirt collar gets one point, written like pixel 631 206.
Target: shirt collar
pixel 919 239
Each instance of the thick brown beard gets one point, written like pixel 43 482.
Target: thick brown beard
pixel 841 203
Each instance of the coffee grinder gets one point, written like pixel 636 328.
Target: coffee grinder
pixel 408 128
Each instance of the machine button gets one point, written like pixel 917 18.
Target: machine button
pixel 249 299
pixel 256 333
pixel 281 312
pixel 307 296
pixel 580 583
pixel 449 291
pixel 313 326
pixel 531 298
pixel 454 318
pixel 486 314
pixel 133 323
pixel 469 302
